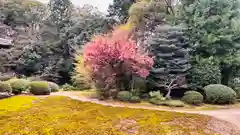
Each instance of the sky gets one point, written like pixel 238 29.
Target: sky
pixel 102 5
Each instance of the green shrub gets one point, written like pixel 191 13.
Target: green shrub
pixel 192 97
pixel 235 84
pixel 157 95
pixel 135 99
pixel 155 101
pixel 204 73
pixel 219 94
pixel 18 85
pixel 53 86
pixel 136 92
pixel 82 77
pixel 173 103
pixel 40 88
pixel 5 87
pixel 169 103
pixel 237 89
pixel 139 84
pixel 124 95
pixel 68 87
pixel 80 82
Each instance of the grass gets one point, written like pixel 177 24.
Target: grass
pixel 56 115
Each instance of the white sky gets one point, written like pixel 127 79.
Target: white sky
pixel 102 5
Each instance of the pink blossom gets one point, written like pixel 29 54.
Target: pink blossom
pixel 115 54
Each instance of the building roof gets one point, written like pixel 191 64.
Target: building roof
pixel 6 42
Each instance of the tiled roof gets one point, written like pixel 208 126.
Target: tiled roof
pixel 6 42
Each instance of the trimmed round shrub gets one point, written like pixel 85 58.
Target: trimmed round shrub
pixel 135 99
pixel 5 87
pixel 219 94
pixel 40 88
pixel 124 95
pixel 18 85
pixel 193 98
pixel 53 86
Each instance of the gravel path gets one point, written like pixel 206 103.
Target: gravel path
pixel 229 115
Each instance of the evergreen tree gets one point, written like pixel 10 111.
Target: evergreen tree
pixel 53 53
pixel 170 48
pixel 21 18
pixel 60 12
pixel 119 9
pixel 214 30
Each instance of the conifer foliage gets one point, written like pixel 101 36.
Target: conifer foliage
pixel 214 31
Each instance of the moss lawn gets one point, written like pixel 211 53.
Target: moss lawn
pixel 56 115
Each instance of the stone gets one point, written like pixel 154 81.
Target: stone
pixel 6 42
pixel 4 95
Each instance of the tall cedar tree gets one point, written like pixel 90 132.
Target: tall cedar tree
pixel 214 30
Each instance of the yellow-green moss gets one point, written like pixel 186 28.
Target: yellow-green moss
pixel 91 93
pixel 15 104
pixel 63 116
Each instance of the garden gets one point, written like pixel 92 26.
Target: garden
pixel 140 69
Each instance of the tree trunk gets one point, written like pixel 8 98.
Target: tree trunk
pixel 226 74
pixel 168 96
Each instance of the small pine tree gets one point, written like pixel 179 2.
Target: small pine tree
pixel 170 48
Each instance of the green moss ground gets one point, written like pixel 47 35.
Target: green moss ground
pixel 56 115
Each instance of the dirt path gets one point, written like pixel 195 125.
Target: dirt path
pixel 229 115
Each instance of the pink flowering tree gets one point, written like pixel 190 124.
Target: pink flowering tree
pixel 111 57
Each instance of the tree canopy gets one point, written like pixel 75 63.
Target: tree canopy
pixel 213 28
pixel 201 37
